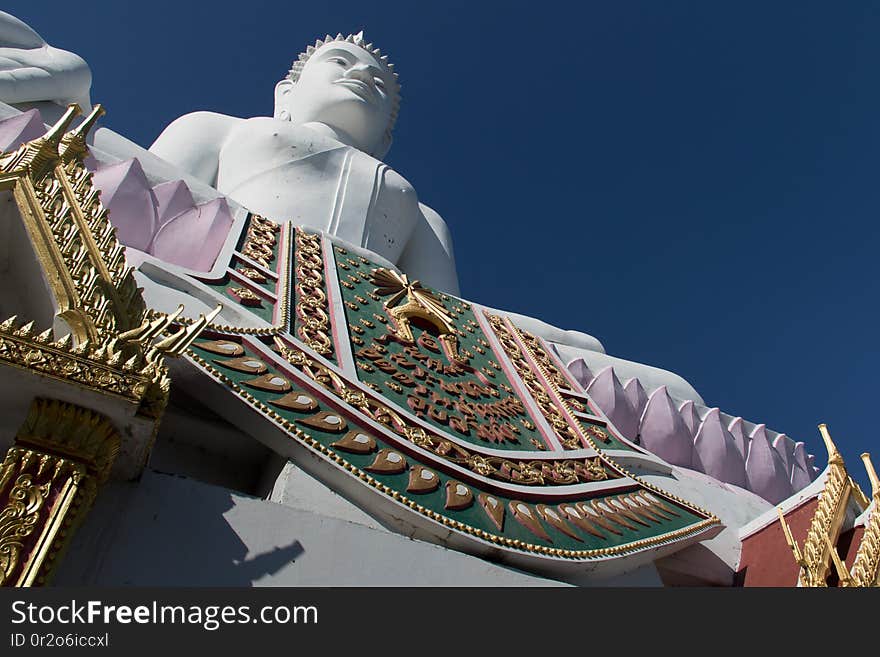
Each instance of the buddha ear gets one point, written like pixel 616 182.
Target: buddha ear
pixel 283 91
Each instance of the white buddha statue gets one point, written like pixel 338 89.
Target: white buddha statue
pixel 317 161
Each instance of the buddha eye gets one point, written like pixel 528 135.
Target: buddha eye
pixel 380 83
pixel 338 60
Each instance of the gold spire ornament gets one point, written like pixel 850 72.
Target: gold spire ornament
pixel 110 347
pixel 73 144
pixel 819 552
pixel 39 157
pixel 866 566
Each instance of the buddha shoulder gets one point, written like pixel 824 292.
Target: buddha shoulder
pixel 193 142
pixel 195 130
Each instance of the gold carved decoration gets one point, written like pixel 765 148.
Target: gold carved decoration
pixel 312 308
pixel 819 551
pixel 48 481
pixel 301 360
pixel 17 522
pixel 530 350
pixel 567 434
pixel 420 304
pixel 260 241
pixel 866 566
pixel 114 347
pixel 550 472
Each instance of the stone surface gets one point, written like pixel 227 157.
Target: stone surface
pixel 173 198
pixel 784 446
pixel 801 472
pixel 581 372
pixel 211 536
pixel 32 70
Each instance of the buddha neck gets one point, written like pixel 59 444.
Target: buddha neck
pixel 339 135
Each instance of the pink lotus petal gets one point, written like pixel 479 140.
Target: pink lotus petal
pixel 20 128
pixel 581 372
pixel 765 469
pixel 663 432
pixel 717 451
pixel 636 395
pixel 605 390
pixel 194 239
pixel 126 194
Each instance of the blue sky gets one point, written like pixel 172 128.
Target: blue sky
pixel 693 183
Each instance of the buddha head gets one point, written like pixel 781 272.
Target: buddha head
pixel 347 85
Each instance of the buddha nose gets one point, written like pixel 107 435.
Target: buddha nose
pixel 360 72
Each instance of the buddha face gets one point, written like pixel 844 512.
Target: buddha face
pixel 344 87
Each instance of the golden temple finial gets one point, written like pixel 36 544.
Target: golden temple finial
pixel 56 132
pixel 73 144
pixel 872 474
pixel 40 155
pixel 833 455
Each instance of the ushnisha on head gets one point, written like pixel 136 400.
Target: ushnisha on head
pixel 345 84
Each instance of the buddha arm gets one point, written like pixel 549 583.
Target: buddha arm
pixel 428 255
pixel 193 143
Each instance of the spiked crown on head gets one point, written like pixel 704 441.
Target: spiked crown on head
pixel 358 40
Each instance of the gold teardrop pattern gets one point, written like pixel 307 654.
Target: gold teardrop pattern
pixel 387 461
pixel 245 364
pixel 458 496
pixel 222 347
pixel 556 520
pixel 356 442
pixel 577 517
pixel 269 382
pixel 325 421
pixel 622 509
pixel 296 401
pixel 598 518
pixel 493 508
pixel 422 480
pixel 527 517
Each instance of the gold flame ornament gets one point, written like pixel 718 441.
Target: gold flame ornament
pixel 420 304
